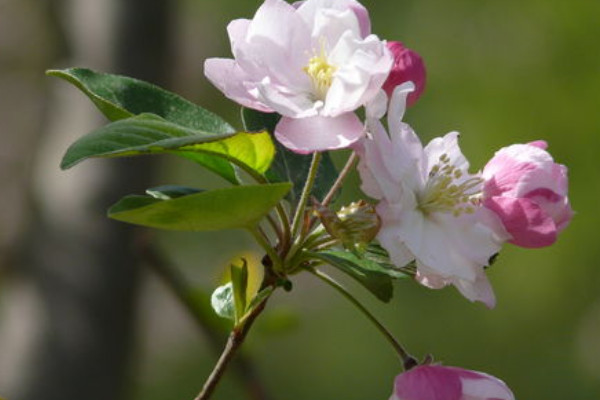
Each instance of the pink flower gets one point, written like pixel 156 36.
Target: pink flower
pixel 408 66
pixel 528 191
pixel 314 62
pixel 436 382
pixel 429 204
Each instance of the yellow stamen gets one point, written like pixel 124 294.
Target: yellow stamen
pixel 443 194
pixel 321 73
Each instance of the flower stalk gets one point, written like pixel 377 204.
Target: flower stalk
pixel 310 181
pixel 408 361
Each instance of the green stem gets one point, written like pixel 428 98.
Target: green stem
pixel 310 181
pixel 281 213
pixel 266 246
pixel 408 361
pixel 340 179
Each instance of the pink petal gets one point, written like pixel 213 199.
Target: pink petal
pixel 428 382
pixel 525 220
pixel 307 135
pixel 437 382
pixel 408 67
pixel 541 144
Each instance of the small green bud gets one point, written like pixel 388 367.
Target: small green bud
pixel 354 225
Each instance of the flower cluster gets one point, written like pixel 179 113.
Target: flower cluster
pixel 305 74
pixel 315 63
pixel 447 220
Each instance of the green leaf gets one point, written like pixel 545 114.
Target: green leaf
pixel 368 273
pixel 239 280
pixel 167 192
pixel 229 208
pixel 222 301
pixel 151 134
pixel 119 97
pixel 379 255
pixel 287 165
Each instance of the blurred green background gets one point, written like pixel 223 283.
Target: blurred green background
pixel 498 72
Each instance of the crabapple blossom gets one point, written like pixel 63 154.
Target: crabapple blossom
pixel 408 66
pixel 528 191
pixel 429 204
pixel 314 62
pixel 437 382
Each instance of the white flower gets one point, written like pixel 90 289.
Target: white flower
pixel 314 62
pixel 429 204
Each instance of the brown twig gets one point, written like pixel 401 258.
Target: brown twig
pixel 236 338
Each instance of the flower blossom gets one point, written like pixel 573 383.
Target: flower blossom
pixel 314 62
pixel 437 382
pixel 429 204
pixel 528 191
pixel 408 66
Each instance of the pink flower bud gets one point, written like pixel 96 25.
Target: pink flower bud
pixel 528 191
pixel 408 66
pixel 436 382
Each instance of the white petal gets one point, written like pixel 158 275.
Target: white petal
pixel 330 25
pixel 487 387
pixel 407 159
pixel 226 75
pixel 308 9
pixel 477 290
pixel 375 158
pixel 363 67
pixel 448 144
pixel 286 102
pixel 398 105
pixel 377 107
pixel 277 45
pixel 275 20
pixel 237 30
pixel 388 237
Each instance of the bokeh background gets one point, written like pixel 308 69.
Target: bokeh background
pixel 82 317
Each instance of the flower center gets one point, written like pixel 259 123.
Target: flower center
pixel 320 73
pixel 443 193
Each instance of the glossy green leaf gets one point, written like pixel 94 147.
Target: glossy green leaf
pixel 287 165
pixel 229 208
pixel 151 134
pixel 222 301
pixel 119 97
pixel 367 272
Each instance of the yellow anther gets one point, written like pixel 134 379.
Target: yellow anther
pixel 321 74
pixel 443 193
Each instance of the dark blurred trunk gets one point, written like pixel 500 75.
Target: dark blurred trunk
pixel 86 274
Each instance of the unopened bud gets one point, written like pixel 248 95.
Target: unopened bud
pixel 408 66
pixel 354 225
